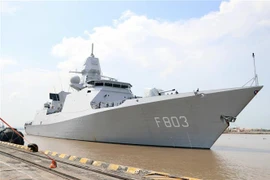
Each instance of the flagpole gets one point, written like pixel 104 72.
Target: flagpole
pixel 255 73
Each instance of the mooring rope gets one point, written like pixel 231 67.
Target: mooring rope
pixel 53 164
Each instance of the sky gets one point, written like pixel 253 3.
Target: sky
pixel 163 44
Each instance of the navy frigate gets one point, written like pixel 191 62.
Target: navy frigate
pixel 103 109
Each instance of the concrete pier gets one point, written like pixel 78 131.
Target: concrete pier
pixel 20 163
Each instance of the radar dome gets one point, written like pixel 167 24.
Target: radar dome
pixel 75 80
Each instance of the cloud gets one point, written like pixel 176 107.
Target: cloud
pixel 6 62
pixel 6 8
pixel 264 23
pixel 33 81
pixel 169 46
pixel 23 92
pixel 13 95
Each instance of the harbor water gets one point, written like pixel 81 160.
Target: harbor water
pixel 233 156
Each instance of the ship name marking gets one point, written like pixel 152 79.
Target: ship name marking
pixel 172 121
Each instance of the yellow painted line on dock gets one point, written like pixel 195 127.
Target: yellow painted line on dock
pixel 97 163
pixel 133 170
pixel 54 153
pixel 62 156
pixel 113 167
pixel 16 145
pixel 72 158
pixel 47 152
pixel 189 178
pixel 83 160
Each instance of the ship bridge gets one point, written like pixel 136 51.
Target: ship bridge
pixel 109 83
pixel 57 102
pixel 110 93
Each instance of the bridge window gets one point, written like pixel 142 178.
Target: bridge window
pixel 108 84
pixel 116 85
pixel 54 97
pixel 99 84
pixel 124 86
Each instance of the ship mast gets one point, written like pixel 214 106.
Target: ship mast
pixel 255 78
pixel 255 73
pixel 92 53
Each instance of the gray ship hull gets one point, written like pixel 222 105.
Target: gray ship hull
pixel 180 120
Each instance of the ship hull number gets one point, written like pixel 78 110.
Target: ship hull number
pixel 172 121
